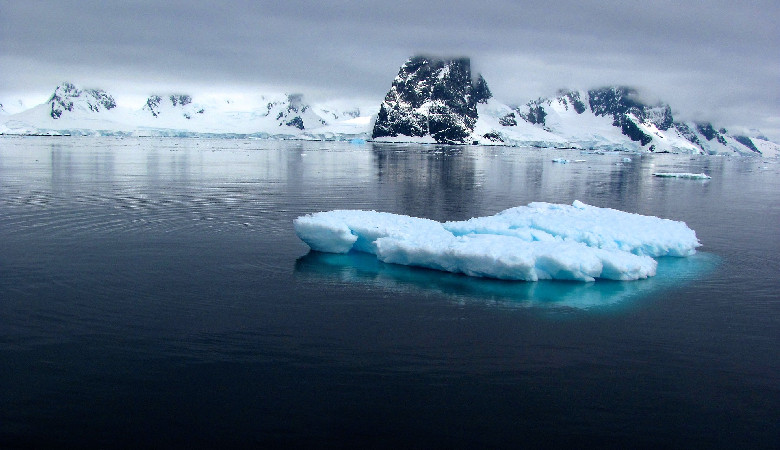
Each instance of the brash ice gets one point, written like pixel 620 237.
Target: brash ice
pixel 533 242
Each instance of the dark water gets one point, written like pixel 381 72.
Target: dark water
pixel 153 294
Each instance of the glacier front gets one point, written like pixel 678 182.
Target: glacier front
pixel 533 242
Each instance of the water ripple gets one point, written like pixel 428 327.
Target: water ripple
pixel 131 209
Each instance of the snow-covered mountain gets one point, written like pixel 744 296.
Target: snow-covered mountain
pixel 175 104
pixel 430 100
pixel 432 97
pixel 68 99
pixel 74 111
pixel 613 118
pixel 434 100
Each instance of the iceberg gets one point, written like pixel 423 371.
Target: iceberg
pixel 534 242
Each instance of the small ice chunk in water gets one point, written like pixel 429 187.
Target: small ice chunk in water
pixel 538 241
pixel 695 176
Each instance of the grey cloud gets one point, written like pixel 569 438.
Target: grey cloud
pixel 718 58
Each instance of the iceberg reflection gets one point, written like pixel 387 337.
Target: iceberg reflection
pixel 363 268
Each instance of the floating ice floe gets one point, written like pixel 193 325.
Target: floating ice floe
pixel 538 241
pixel 695 176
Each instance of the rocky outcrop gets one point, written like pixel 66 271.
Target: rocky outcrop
pixel 626 109
pixel 432 97
pixel 179 104
pixel 294 112
pixel 67 97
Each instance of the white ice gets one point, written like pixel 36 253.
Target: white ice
pixel 538 241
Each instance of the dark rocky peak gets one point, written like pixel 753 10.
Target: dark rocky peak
pixel 572 99
pixel 432 96
pixel 747 142
pixel 623 104
pixel 294 112
pixel 617 101
pixel 508 120
pixel 614 101
pixel 153 104
pixel 687 133
pixel 295 104
pixel 660 116
pixel 534 111
pixel 182 103
pixel 481 91
pixel 709 132
pixel 66 96
pixel 180 99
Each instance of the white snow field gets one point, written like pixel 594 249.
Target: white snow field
pixel 533 242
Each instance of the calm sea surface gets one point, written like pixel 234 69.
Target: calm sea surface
pixel 153 294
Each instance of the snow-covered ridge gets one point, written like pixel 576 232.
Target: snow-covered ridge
pixel 75 111
pixel 613 118
pixel 430 100
pixel 67 97
pixel 533 242
pixel 180 104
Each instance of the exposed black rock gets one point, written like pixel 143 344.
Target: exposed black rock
pixel 509 120
pixel 435 97
pixel 572 98
pixel 747 142
pixel 687 133
pixel 709 132
pixel 626 109
pixel 296 122
pixel 155 102
pixel 535 114
pixel 481 92
pixel 180 99
pixel 99 98
pixel 293 112
pixel 493 136
pixel 66 94
pixel 534 111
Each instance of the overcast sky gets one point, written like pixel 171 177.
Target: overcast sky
pixel 710 60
